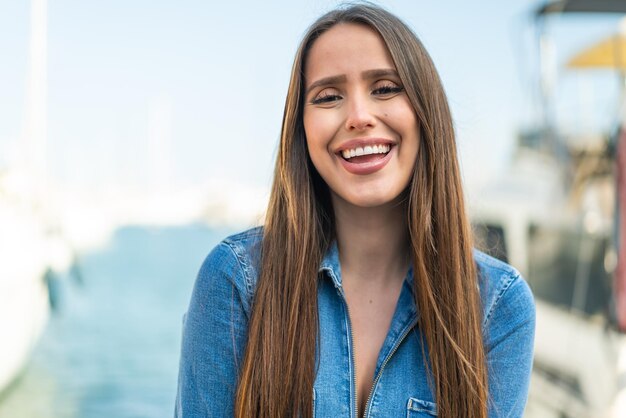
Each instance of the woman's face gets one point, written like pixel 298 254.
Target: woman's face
pixel 361 130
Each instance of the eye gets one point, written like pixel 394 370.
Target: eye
pixel 326 96
pixel 386 88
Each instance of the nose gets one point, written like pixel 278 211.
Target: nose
pixel 360 115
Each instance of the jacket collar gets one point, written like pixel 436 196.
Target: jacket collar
pixel 330 265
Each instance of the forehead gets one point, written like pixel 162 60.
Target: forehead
pixel 344 49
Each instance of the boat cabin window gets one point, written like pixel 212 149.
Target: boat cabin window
pixel 566 268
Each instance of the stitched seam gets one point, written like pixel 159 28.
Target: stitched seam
pixel 233 242
pixel 505 287
pixel 242 265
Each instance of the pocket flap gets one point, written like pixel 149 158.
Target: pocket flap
pixel 423 407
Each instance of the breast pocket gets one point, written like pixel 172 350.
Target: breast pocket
pixel 417 408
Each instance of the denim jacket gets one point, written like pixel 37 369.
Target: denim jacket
pixel 215 330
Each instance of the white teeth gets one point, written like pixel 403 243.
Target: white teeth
pixel 367 150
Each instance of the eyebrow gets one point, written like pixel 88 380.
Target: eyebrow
pixel 336 79
pixel 326 81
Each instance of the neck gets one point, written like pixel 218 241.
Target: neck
pixel 373 243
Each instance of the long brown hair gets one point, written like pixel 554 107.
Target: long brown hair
pixel 278 371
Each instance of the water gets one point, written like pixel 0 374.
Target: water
pixel 112 348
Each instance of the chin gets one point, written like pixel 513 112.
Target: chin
pixel 371 200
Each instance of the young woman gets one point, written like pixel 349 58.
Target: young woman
pixel 361 295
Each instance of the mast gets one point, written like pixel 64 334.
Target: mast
pixel 34 129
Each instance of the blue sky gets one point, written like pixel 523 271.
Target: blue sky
pixel 210 78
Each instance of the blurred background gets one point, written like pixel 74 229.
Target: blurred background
pixel 134 136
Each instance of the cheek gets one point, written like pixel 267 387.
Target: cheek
pixel 403 116
pixel 403 120
pixel 318 130
pixel 313 135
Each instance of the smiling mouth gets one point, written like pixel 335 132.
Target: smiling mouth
pixel 365 154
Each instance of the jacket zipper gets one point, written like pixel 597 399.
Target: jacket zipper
pixel 382 367
pixel 349 323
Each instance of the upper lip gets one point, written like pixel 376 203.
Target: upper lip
pixel 362 142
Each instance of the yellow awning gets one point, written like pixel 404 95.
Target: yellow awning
pixel 608 53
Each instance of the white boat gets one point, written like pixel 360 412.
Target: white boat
pixel 24 300
pixel 26 245
pixel 566 254
pixel 559 216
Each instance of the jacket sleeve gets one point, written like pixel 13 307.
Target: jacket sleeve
pixel 509 346
pixel 214 338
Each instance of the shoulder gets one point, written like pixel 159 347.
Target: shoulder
pixel 505 295
pixel 508 334
pixel 215 328
pixel 234 260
